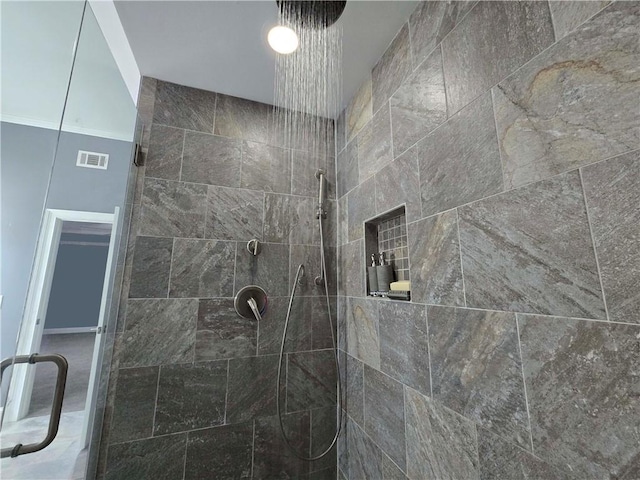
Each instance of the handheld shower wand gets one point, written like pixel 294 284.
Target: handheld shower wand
pixel 320 175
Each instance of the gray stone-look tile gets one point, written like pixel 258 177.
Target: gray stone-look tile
pixel 374 144
pixel 476 368
pixel 363 340
pixel 440 443
pixel 145 106
pixel 272 458
pixel 289 219
pixel 202 268
pixel 159 331
pixel 134 404
pixel 492 41
pixel 159 458
pixel 298 332
pixel 303 172
pixel 390 471
pixel 364 456
pixel 568 15
pixel 384 414
pixel 342 322
pixel 351 271
pixel 583 381
pixel 434 259
pixel 241 118
pixel 309 256
pixel 391 69
pixel 220 452
pixel 404 352
pixel 460 161
pixel 501 459
pixel 172 209
pixel 165 153
pixel 361 206
pixel 184 107
pixel 150 270
pixel 347 169
pixel 399 183
pixel 419 105
pixel 190 396
pixel 574 104
pixel 311 380
pixel 252 388
pixel 222 333
pixel 352 371
pixel 343 450
pixel 323 429
pixel 343 226
pixel 211 159
pixel 265 168
pixel 612 190
pixel 234 214
pixel 269 269
pixel 430 22
pixel 320 327
pixel 539 245
pixel 359 110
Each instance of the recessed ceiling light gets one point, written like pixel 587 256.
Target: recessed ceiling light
pixel 283 39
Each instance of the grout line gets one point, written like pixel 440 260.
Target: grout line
pixel 155 403
pixel 226 393
pixel 593 243
pixel 531 314
pixel 426 321
pixel 495 124
pixel 253 446
pixel 553 23
pixel 231 187
pixel 173 249
pixel 184 464
pixel 464 289
pixel 524 383
pixel 215 112
pixel 528 184
pixel 475 429
pixel 404 425
pixel 235 268
pixel 184 141
pixel 388 102
pixel 444 80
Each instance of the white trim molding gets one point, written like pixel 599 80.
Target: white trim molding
pixel 109 21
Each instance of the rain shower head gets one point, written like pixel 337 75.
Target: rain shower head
pixel 311 14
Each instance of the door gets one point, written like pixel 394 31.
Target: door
pixel 98 347
pixel 26 421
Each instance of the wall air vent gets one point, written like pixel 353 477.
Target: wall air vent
pixel 92 160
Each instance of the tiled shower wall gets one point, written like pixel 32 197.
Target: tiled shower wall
pixel 510 130
pixel 193 385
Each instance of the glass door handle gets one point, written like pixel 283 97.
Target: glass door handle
pixel 56 407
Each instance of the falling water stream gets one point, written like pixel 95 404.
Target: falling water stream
pixel 307 95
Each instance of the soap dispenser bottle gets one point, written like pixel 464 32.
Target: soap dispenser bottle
pixel 372 275
pixel 385 275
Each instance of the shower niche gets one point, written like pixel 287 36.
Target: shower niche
pixel 386 237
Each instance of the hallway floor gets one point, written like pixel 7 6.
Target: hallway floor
pixel 62 460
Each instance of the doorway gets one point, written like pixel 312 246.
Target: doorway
pixel 65 314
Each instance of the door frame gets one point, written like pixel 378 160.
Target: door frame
pixel 31 328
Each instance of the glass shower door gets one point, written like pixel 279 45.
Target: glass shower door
pixel 71 252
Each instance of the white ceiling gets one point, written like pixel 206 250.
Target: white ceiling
pixel 221 45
